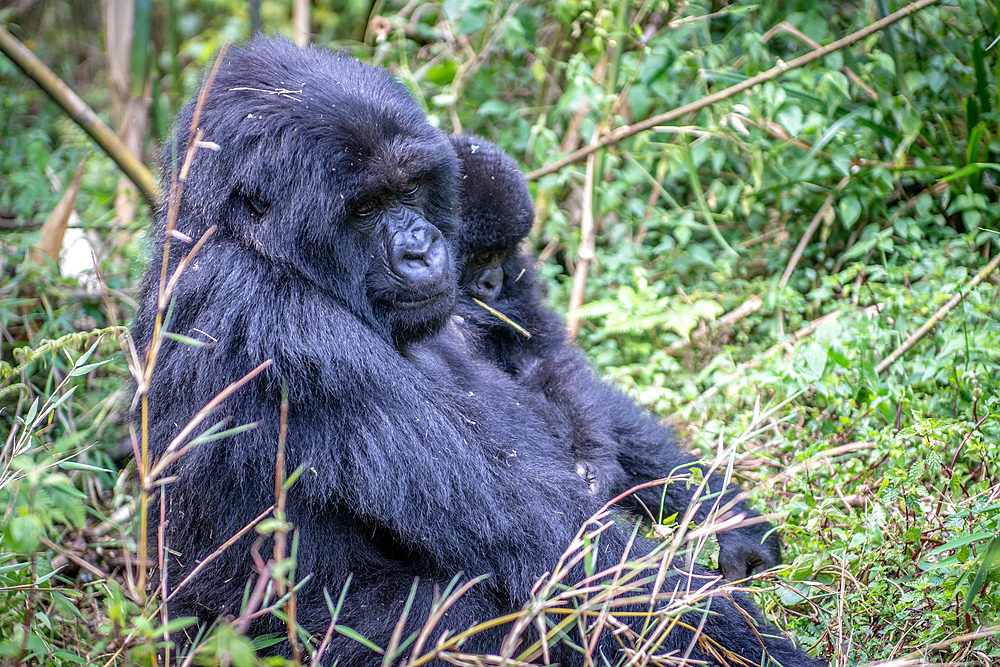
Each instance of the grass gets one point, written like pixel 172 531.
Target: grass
pixel 856 212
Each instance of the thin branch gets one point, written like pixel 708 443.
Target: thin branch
pixel 748 307
pixel 936 317
pixel 627 131
pixel 172 453
pixel 785 26
pixel 79 562
pixel 813 226
pixel 218 552
pixel 771 351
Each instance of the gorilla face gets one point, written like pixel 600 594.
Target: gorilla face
pixel 415 275
pixel 327 166
pixel 482 276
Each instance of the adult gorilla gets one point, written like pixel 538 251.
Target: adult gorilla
pixel 333 200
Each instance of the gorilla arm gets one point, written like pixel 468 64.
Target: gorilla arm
pixel 382 439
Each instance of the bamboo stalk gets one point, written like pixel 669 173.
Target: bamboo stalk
pixel 81 114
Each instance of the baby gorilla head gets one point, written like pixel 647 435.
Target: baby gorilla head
pixel 496 213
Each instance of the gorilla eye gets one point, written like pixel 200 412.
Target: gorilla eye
pixel 366 207
pixel 409 192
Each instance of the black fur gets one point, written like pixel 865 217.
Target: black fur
pixel 615 444
pixel 418 461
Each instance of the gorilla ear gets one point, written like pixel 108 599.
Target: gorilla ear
pixel 258 206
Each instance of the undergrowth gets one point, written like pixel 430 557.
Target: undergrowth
pixel 882 158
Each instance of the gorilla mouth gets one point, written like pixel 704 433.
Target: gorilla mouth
pixel 421 301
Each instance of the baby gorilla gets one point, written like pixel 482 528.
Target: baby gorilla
pixel 615 444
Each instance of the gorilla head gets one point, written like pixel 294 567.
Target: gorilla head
pixel 496 213
pixel 292 123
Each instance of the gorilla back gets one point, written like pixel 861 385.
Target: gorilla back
pixel 333 199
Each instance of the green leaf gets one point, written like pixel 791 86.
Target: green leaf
pixel 962 541
pixel 186 340
pixel 29 419
pixel 358 637
pixel 990 560
pixel 86 355
pixel 83 370
pixel 969 170
pixel 72 657
pixel 209 435
pixel 815 358
pixel 74 465
pixel 850 210
pixel 24 532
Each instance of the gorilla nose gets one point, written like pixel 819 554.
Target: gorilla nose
pixel 420 256
pixel 487 285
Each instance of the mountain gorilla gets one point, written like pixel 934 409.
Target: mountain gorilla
pixel 333 200
pixel 615 444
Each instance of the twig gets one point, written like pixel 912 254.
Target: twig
pixel 29 614
pixel 81 114
pixel 766 236
pixel 627 131
pixel 79 562
pixel 751 305
pixel 936 317
pixel 161 561
pixel 218 552
pixel 785 26
pixel 933 191
pixel 441 611
pixel 143 376
pixel 172 453
pixel 256 597
pixel 476 61
pixel 774 349
pixel 503 318
pixel 804 241
pixel 281 533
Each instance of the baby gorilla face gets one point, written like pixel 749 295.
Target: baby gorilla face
pixel 482 277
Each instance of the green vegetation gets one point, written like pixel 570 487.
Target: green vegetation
pixel 831 211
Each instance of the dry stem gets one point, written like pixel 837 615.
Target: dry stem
pixel 936 317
